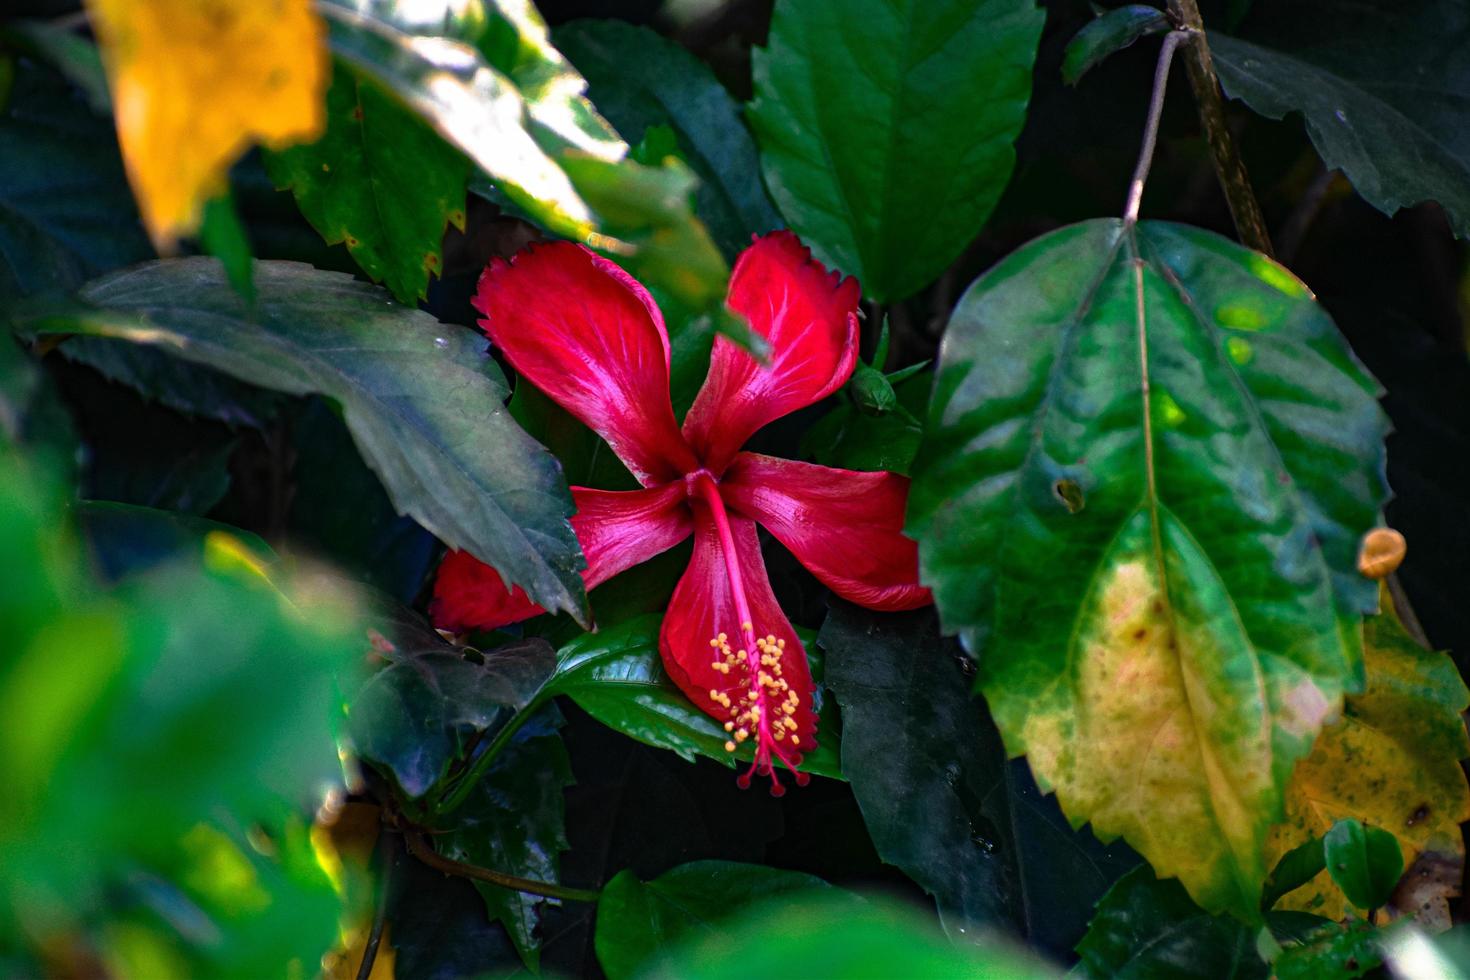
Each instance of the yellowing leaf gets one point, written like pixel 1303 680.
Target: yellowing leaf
pixel 1393 761
pixel 196 82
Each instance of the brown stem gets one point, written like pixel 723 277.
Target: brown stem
pixel 1250 225
pixel 420 849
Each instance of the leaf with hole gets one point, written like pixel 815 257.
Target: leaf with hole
pixel 1149 459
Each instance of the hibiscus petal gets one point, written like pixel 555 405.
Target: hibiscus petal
pixel 810 317
pixel 703 607
pixel 617 530
pixel 845 526
pixel 586 333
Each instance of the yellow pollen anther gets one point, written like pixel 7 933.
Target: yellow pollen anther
pixel 741 735
pixel 729 746
pixel 729 726
pixel 746 627
pixel 796 740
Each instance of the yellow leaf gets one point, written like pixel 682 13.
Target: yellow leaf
pixel 195 83
pixel 1392 761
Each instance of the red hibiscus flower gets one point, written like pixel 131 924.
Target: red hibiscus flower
pixel 586 333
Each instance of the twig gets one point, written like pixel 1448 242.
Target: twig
pixel 380 913
pixel 1151 127
pixel 420 849
pixel 1229 168
pixel 1294 230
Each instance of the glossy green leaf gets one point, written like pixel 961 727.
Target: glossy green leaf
pixel 885 128
pixel 422 399
pixel 1149 459
pixel 850 438
pixel 1364 861
pixel 66 213
pixel 617 677
pixel 513 821
pixel 1145 927
pixel 427 704
pixel 638 919
pixel 380 181
pixel 1381 85
pixel 1107 34
pixel 918 758
pixel 640 80
pixel 829 937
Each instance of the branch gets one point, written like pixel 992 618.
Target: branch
pixel 420 849
pixel 1250 226
pixel 1151 126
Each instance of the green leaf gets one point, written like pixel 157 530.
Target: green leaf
pixel 127 538
pixel 472 105
pixel 1149 460
pixel 637 919
pixel 135 766
pixel 617 677
pixel 1145 927
pixel 514 822
pixel 423 401
pixel 66 213
pixel 431 700
pixel 918 758
pixel 828 936
pixel 1333 949
pixel 850 438
pixel 1297 867
pixel 1380 85
pixel 1364 861
pixel 223 235
pixel 379 180
pixel 1108 34
pixel 885 127
pixel 641 80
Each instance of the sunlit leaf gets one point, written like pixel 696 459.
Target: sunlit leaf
pixel 886 127
pixel 1393 761
pixel 379 180
pixel 1149 459
pixel 195 83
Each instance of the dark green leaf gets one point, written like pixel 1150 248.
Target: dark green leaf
pixel 640 80
pixel 440 929
pixel 422 399
pixel 1108 34
pixel 1381 85
pixel 379 180
pixel 616 676
pixel 513 821
pixel 636 919
pixel 1333 949
pixel 830 937
pixel 886 127
pixel 432 700
pixel 852 439
pixel 74 56
pixel 126 538
pixel 340 511
pixel 1145 927
pixel 1297 867
pixel 222 235
pixel 1131 431
pixel 66 213
pixel 1365 862
pixel 919 760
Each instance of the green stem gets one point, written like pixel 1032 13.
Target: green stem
pixel 460 791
